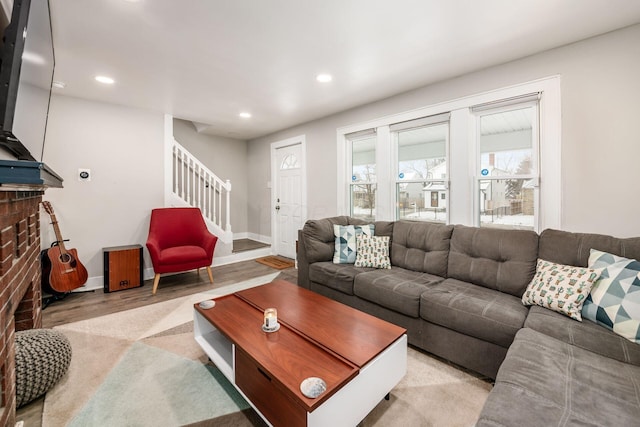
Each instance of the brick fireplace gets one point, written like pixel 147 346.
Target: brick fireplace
pixel 20 288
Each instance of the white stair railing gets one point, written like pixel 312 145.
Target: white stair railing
pixel 196 185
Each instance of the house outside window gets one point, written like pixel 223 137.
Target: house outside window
pixel 421 169
pixel 507 183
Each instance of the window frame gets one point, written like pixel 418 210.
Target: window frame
pixel 462 166
pixel 535 155
pixel 355 137
pixel 439 119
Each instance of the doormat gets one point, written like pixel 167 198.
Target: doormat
pixel 276 262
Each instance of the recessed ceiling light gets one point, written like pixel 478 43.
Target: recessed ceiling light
pixel 324 78
pixel 59 85
pixel 245 115
pixel 104 79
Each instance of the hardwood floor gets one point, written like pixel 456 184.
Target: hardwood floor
pixel 243 245
pixel 85 305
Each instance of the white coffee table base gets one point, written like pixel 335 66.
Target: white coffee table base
pixel 349 405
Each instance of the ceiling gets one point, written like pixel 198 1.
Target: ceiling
pixel 208 60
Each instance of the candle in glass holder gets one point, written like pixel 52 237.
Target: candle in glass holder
pixel 270 318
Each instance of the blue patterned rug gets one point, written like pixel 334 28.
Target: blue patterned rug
pixel 142 367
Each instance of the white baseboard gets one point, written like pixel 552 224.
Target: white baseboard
pixel 93 284
pixel 260 238
pixel 252 236
pixel 97 282
pixel 241 256
pixel 243 235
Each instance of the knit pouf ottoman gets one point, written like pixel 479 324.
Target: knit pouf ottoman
pixel 42 358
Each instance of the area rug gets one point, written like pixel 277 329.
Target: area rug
pixel 276 262
pixel 142 367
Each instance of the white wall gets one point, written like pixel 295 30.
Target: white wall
pixel 600 143
pixel 227 158
pixel 124 149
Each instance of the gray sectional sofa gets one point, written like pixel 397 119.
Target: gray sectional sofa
pixel 457 290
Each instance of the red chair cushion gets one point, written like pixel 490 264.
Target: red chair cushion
pixel 182 254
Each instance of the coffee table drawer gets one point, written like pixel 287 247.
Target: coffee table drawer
pixel 261 390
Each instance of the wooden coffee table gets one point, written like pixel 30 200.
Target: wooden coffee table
pixel 360 357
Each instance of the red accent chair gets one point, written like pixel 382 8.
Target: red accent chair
pixel 179 241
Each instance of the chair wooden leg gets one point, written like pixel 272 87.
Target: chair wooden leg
pixel 156 279
pixel 210 274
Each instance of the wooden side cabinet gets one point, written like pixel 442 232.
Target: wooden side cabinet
pixel 122 267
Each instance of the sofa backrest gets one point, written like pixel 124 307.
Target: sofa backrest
pixel 421 246
pixel 504 260
pixel 569 248
pixel 319 240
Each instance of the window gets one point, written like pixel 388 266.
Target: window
pixel 507 183
pixel 363 175
pixel 421 169
pixel 492 161
pixel 290 161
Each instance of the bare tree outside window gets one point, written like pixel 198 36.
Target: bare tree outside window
pixel 514 186
pixel 366 193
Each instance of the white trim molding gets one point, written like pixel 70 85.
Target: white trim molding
pixel 302 140
pixel 460 154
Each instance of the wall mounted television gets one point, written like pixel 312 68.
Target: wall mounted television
pixel 26 75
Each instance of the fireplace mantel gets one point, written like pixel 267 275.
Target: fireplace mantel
pixel 24 175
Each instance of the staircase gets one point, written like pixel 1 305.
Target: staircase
pixel 188 182
pixel 193 184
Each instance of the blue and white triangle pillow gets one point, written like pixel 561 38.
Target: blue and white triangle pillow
pixel 345 246
pixel 614 301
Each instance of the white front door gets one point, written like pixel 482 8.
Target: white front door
pixel 288 196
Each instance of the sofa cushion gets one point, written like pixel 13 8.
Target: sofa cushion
pixel 614 301
pixel 546 382
pixel 421 246
pixel 561 288
pixel 397 289
pixel 373 251
pixel 336 276
pixel 504 260
pixel 587 335
pixel 474 310
pixel 345 244
pixel 574 248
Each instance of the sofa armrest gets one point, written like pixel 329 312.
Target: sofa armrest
pixel 316 243
pixel 318 238
pixel 302 262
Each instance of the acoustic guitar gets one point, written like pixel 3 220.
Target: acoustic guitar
pixel 62 271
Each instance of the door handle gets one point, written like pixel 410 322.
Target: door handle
pixel 277 207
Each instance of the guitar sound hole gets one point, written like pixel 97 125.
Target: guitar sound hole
pixel 65 258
